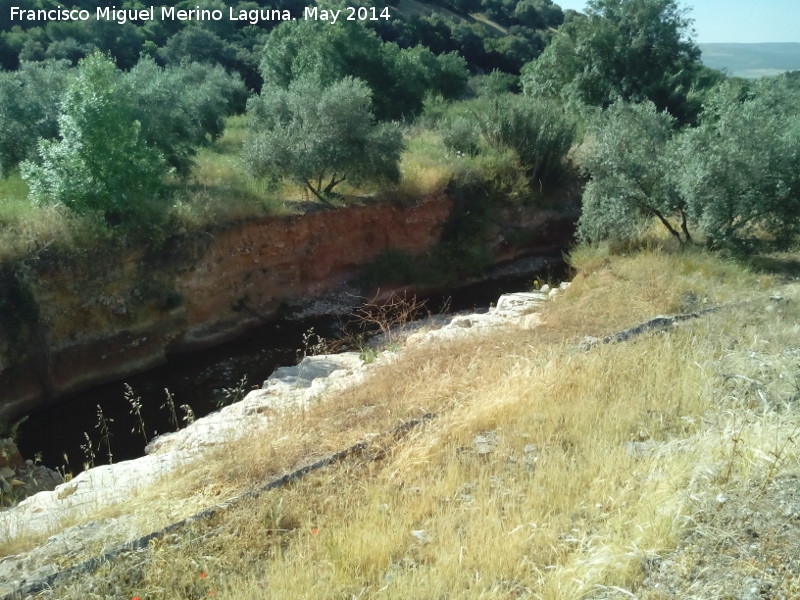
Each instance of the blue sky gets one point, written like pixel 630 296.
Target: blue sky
pixel 736 20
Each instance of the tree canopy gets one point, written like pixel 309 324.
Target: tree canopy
pixel 29 99
pixel 106 142
pixel 320 135
pixel 740 169
pixel 398 79
pixel 101 164
pixel 734 179
pixel 633 50
pixel 182 107
pixel 626 154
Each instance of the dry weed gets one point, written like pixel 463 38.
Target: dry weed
pixel 549 472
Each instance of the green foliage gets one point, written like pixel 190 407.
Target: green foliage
pixel 537 14
pixel 538 132
pixel 625 153
pixel 631 49
pixel 101 164
pixel 461 133
pixel 319 135
pixel 120 132
pixel 531 138
pixel 183 107
pixel 496 83
pixel 399 79
pixel 200 45
pixel 740 169
pixel 29 101
pixel 735 178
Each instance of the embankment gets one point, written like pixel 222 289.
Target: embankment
pixel 73 321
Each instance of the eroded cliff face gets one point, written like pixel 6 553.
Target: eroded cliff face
pixel 72 322
pixel 247 273
pixel 67 323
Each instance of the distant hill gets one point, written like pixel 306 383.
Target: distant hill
pixel 752 60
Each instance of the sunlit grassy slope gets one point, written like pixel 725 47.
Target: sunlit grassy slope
pixel 549 471
pixel 413 8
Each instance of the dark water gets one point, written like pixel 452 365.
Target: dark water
pixel 197 379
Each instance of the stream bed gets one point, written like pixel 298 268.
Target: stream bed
pixel 57 434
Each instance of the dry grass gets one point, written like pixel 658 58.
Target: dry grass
pixel 26 228
pixel 220 188
pixel 548 472
pixel 426 165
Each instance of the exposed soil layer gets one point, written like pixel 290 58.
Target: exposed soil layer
pixel 89 318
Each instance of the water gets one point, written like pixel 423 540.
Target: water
pixel 197 379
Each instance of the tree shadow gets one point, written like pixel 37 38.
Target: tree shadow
pixel 782 264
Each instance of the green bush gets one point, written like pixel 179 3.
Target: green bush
pixel 182 107
pixel 461 134
pixel 399 79
pixel 739 171
pixel 625 154
pixel 101 164
pixel 519 144
pixel 538 131
pixel 634 50
pixel 735 178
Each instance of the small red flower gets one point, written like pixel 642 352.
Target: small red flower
pixel 315 531
pixel 203 575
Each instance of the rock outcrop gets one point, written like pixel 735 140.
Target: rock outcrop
pixel 288 388
pixel 84 319
pixel 72 321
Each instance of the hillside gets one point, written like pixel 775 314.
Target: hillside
pixel 545 465
pixel 752 60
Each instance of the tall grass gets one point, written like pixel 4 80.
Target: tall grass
pixel 26 228
pixel 549 472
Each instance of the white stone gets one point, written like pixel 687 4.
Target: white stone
pixel 289 388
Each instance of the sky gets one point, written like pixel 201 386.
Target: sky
pixel 743 21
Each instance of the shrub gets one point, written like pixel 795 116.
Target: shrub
pixel 538 131
pixel 101 164
pixel 29 101
pixel 740 169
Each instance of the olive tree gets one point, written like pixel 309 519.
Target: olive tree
pixel 29 99
pixel 181 107
pixel 627 155
pixel 734 179
pixel 739 171
pixel 320 135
